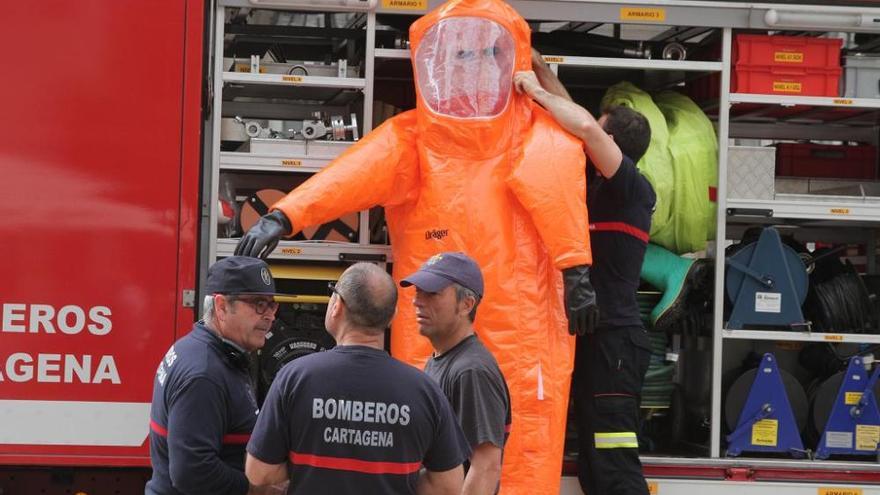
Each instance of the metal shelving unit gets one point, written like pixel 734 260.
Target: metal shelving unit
pixel 739 115
pixel 781 117
pixel 317 251
pixel 625 63
pixel 277 95
pixel 253 162
pixel 394 53
pixel 807 207
pixel 812 101
pixel 294 80
pixel 786 336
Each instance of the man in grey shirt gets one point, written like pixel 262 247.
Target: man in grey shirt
pixel 449 287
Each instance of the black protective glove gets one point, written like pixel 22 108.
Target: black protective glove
pixel 580 300
pixel 262 238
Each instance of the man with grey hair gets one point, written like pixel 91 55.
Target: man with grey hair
pixel 449 287
pixel 353 419
pixel 204 407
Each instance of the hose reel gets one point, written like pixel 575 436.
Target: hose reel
pixel 767 283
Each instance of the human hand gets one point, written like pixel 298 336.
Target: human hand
pixel 526 82
pixel 279 489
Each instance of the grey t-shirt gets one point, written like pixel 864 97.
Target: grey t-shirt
pixel 469 376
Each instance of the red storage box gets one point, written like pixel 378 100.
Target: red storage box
pixel 788 81
pixel 786 65
pixel 826 161
pixel 787 51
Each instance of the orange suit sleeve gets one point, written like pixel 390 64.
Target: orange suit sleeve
pixel 550 183
pixel 381 169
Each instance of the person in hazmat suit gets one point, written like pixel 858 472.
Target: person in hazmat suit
pixel 467 170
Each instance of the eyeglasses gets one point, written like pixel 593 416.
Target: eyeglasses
pixel 260 305
pixel 331 289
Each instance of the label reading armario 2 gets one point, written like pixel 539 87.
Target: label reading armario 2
pixel 21 318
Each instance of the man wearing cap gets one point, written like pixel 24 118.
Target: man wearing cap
pixel 449 287
pixel 204 406
pixel 353 419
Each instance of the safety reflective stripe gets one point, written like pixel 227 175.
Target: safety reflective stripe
pixel 623 228
pixel 356 465
pixel 229 439
pixel 617 440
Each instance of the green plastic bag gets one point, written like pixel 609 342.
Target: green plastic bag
pixel 681 164
pixel 693 145
pixel 656 164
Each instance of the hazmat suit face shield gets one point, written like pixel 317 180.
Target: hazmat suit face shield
pixel 464 67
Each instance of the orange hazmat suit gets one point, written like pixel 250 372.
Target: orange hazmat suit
pixel 478 168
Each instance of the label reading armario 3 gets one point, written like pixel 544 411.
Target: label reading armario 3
pixel 39 319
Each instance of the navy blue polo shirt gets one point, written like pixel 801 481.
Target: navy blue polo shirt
pixel 201 418
pixel 355 420
pixel 620 219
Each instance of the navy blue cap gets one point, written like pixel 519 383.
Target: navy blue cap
pixel 240 275
pixel 443 269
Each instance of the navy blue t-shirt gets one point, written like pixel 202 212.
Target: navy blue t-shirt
pixel 203 411
pixel 624 203
pixel 355 420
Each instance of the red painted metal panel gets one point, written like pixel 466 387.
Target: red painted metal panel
pixel 191 160
pixel 100 161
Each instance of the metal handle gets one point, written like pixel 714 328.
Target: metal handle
pixel 762 279
pixel 749 212
pixel 766 410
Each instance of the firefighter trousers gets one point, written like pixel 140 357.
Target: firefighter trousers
pixel 610 366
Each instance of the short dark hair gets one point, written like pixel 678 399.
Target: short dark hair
pixel 369 295
pixel 462 292
pixel 629 129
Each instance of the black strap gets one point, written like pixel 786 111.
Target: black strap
pixel 259 206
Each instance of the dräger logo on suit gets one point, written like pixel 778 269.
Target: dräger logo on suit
pixel 436 234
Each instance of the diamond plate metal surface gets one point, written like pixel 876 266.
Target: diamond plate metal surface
pixel 750 172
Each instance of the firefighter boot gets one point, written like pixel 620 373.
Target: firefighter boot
pixel 676 277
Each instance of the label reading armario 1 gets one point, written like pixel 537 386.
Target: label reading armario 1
pixel 642 14
pixel 405 4
pixel 42 321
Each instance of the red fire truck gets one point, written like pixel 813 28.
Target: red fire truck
pixel 101 170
